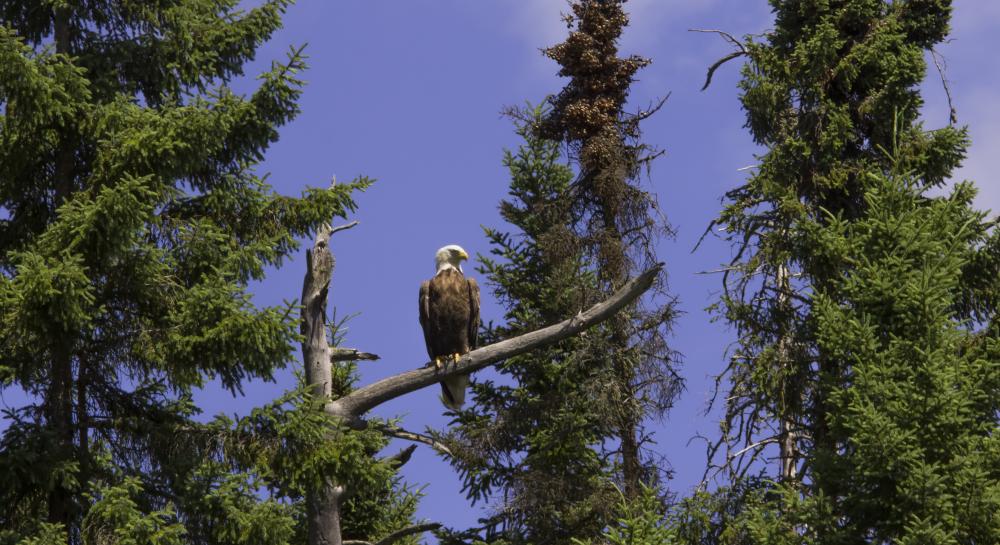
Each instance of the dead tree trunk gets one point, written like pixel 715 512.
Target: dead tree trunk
pixel 791 394
pixel 322 505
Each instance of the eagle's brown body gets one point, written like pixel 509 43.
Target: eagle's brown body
pixel 449 316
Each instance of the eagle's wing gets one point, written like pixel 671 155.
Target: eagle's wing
pixel 473 313
pixel 425 313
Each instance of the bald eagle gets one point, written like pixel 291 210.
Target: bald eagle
pixel 449 316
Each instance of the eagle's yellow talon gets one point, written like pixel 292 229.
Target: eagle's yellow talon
pixel 438 362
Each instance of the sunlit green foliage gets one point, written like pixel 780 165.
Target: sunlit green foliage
pixel 133 220
pixel 865 303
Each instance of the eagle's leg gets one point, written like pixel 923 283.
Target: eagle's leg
pixel 439 362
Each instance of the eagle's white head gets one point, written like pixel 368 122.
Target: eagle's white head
pixel 450 257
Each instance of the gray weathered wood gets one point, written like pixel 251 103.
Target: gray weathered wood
pixel 315 287
pixel 350 354
pixel 352 406
pixel 397 535
pixel 323 504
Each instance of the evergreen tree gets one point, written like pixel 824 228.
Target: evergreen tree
pixel 552 445
pixel 864 304
pixel 133 221
pixel 529 447
pixel 616 223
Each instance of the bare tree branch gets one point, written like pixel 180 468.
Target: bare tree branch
pixel 741 50
pixel 397 535
pixel 939 63
pixel 400 458
pixel 362 400
pixel 344 227
pixel 351 354
pixel 725 35
pixel 400 433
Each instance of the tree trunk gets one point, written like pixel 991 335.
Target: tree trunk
pixel 323 512
pixel 322 504
pixel 59 414
pixel 788 455
pixel 59 397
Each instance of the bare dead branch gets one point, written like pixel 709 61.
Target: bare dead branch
pixel 409 531
pixel 400 458
pixel 720 270
pixel 344 227
pixel 754 446
pixel 400 433
pixel 642 115
pixel 362 400
pixel 715 66
pixel 725 35
pixel 939 63
pixel 741 50
pixel 351 354
pixel 397 535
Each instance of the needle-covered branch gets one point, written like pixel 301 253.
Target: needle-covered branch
pixel 362 400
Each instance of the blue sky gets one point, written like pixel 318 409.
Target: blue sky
pixel 409 92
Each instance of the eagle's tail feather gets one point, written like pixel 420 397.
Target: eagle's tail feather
pixel 453 391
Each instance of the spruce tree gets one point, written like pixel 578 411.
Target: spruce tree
pixel 864 302
pixel 133 221
pixel 550 449
pixel 529 448
pixel 616 222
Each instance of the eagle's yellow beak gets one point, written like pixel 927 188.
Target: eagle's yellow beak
pixel 463 255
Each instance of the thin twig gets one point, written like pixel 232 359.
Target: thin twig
pixel 939 63
pixel 754 446
pixel 717 271
pixel 727 36
pixel 645 114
